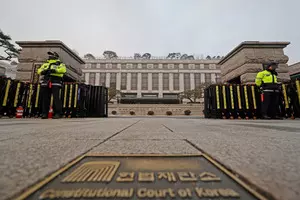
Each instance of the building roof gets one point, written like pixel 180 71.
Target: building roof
pixel 294 69
pixel 51 43
pixel 253 44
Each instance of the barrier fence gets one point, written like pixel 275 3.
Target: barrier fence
pixel 244 101
pixel 78 100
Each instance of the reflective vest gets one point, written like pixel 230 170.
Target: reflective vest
pixel 54 64
pixel 266 79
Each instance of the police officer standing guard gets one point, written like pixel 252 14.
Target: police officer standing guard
pixel 53 71
pixel 267 81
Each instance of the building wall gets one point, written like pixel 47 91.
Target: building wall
pixel 158 109
pixel 156 76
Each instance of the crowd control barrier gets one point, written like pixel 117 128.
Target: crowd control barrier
pixel 244 101
pixel 78 100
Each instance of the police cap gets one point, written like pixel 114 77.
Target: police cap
pixel 53 54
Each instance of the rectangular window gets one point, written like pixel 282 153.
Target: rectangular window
pixel 92 78
pixel 133 81
pixel 102 79
pixel 206 66
pixel 197 80
pixel 144 81
pixel 166 81
pixel 123 81
pixel 207 78
pixel 176 81
pixel 155 81
pixel 187 81
pixel 113 80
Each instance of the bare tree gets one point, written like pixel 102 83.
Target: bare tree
pixel 112 93
pixel 195 94
pixel 208 57
pixel 9 48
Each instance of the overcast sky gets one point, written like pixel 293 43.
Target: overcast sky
pixel 208 27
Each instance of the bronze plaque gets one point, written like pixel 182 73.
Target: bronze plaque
pixel 96 176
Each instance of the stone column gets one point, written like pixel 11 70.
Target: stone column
pixel 149 81
pixel 107 84
pixel 202 78
pixel 139 85
pixel 87 77
pixel 97 79
pixel 246 60
pixel 192 80
pixel 160 85
pixel 213 78
pixel 171 82
pixel 118 86
pixel 128 81
pixel 181 82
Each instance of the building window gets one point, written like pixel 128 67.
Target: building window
pixel 144 81
pixel 133 81
pixel 92 78
pixel 94 65
pixel 123 65
pixel 123 81
pixel 144 66
pixel 102 66
pixel 187 81
pixel 102 79
pixel 155 81
pixel 176 81
pixel 185 66
pixel 166 81
pixel 206 66
pixel 155 66
pixel 207 78
pixel 197 80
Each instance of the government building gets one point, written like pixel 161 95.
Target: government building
pixel 153 80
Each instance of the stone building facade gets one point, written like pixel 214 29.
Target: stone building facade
pixel 294 70
pixel 243 63
pixel 151 78
pixel 34 54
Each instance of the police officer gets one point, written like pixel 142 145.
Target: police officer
pixel 267 81
pixel 52 71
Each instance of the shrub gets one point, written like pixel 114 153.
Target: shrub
pixel 187 112
pixel 114 112
pixel 150 112
pixel 132 112
pixel 169 113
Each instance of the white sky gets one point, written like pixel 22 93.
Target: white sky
pixel 209 27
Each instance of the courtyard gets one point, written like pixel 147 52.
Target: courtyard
pixel 265 154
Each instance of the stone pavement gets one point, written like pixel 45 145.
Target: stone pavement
pixel 265 153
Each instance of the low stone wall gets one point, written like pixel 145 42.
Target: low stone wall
pixel 158 109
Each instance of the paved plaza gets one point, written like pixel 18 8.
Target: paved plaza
pixel 263 153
